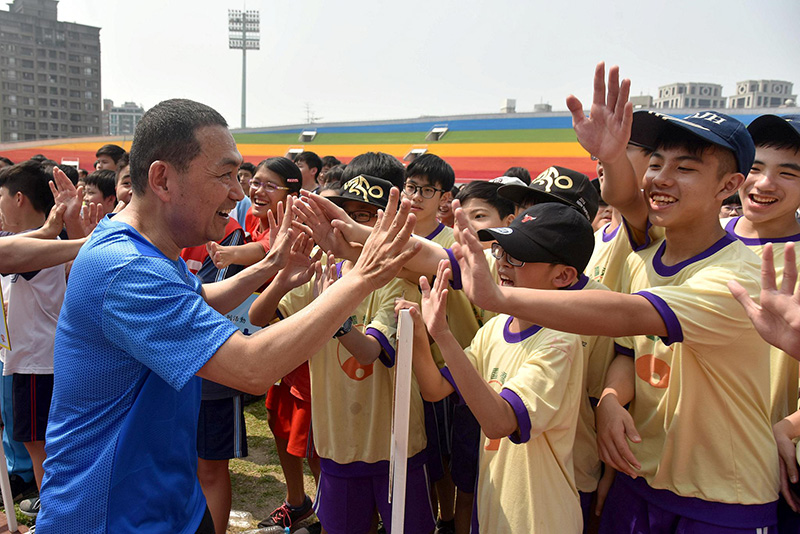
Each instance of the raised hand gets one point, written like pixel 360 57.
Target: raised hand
pixel 301 265
pixel 387 248
pixel 326 275
pixel 91 216
pixel 434 300
pixel 65 192
pixel 309 212
pixel 54 223
pixel 777 318
pixel 606 131
pixel 339 219
pixel 283 231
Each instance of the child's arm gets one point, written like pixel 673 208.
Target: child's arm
pixel 786 431
pixel 298 271
pixel 432 385
pixel 614 423
pixel 246 254
pixel 495 415
pixel 566 311
pixel 605 135
pixel 777 318
pixel 365 349
pixel 328 219
pixel 19 254
pixel 225 295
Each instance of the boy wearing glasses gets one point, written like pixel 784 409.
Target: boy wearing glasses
pixel 428 183
pixel 521 381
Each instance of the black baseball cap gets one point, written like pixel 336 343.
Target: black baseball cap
pixel 546 233
pixel 364 188
pixel 716 128
pixel 775 128
pixel 557 184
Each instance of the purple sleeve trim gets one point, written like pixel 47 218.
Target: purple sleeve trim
pixel 455 283
pixel 634 246
pixel 674 330
pixel 449 377
pixel 523 418
pixel 625 351
pixel 387 354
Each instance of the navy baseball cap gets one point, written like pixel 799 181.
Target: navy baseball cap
pixel 711 126
pixel 775 128
pixel 546 233
pixel 557 184
pixel 364 188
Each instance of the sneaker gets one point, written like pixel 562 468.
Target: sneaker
pixel 445 527
pixel 21 489
pixel 30 507
pixel 286 516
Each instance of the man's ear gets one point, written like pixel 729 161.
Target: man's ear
pixel 565 276
pixel 507 219
pixel 159 177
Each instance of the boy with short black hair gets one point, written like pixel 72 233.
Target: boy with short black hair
pixel 310 165
pixel 34 302
pixel 429 180
pixel 108 156
pixel 769 197
pixel 100 187
pixel 484 207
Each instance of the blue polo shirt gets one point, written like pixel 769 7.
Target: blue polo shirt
pixel 122 435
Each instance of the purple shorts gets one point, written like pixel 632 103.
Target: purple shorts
pixel 586 506
pixel 345 504
pixel 633 507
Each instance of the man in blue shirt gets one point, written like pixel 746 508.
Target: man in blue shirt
pixel 137 330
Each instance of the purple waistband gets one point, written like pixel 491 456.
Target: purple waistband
pixel 365 469
pixel 715 513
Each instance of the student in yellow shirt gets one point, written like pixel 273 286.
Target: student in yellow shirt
pixel 520 380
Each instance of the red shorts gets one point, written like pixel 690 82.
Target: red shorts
pixel 290 420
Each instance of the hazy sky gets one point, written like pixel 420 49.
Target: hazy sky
pixel 362 60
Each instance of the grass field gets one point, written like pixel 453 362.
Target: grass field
pixel 258 483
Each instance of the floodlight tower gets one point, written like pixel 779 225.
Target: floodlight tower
pixel 243 27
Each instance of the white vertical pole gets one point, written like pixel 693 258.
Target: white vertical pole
pixel 402 405
pixel 5 487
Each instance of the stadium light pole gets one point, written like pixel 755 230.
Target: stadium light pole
pixel 243 28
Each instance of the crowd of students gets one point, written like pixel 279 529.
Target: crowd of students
pixel 580 359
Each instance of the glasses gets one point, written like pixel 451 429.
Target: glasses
pixel 269 186
pixel 361 216
pixel 732 209
pixel 410 189
pixel 498 253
